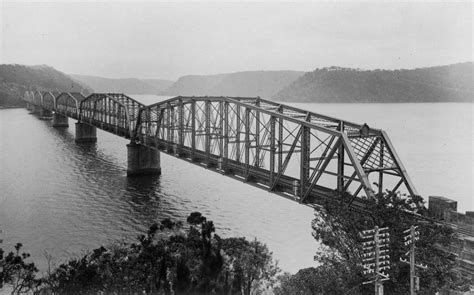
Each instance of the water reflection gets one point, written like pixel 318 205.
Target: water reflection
pixel 143 196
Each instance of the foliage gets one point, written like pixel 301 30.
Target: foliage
pixel 337 229
pixel 15 271
pixel 451 83
pixel 249 264
pixel 170 260
pixel 16 79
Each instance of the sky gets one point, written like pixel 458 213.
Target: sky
pixel 168 40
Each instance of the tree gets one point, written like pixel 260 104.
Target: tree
pixel 337 229
pixel 250 264
pixel 15 271
pixel 169 260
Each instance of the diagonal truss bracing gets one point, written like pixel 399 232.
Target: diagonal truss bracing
pixel 113 112
pixel 302 155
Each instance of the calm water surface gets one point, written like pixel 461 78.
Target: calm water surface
pixel 66 199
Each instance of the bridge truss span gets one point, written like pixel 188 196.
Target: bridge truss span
pixel 113 112
pixel 68 104
pixel 302 155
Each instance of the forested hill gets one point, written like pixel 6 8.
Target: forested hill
pixel 15 79
pixel 249 83
pixel 128 86
pixel 451 83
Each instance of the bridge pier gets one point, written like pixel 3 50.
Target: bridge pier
pixel 45 114
pixel 60 120
pixel 142 160
pixel 34 109
pixel 85 133
pixel 29 106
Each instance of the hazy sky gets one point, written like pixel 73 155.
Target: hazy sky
pixel 167 40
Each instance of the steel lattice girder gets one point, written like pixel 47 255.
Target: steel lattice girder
pixel 113 112
pixel 68 104
pixel 281 148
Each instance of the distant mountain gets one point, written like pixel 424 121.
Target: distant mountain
pixel 451 83
pixel 16 79
pixel 194 85
pixel 128 86
pixel 250 83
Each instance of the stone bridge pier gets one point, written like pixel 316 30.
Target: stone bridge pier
pixel 45 114
pixel 85 133
pixel 142 160
pixel 60 120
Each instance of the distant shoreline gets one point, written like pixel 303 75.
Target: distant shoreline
pixel 10 107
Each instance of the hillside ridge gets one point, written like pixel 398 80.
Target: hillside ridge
pixel 123 85
pixel 449 83
pixel 16 79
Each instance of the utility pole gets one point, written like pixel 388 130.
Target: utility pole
pixel 375 257
pixel 410 239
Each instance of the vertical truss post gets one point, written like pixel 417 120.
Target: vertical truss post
pixel 207 138
pixel 282 169
pixel 168 127
pixel 163 123
pixel 193 129
pixel 172 127
pixel 257 135
pixel 319 170
pixel 247 143
pixel 181 124
pixel 237 132
pixel 226 135
pixel 340 162
pixel 305 155
pixel 381 171
pixel 106 111
pixel 168 123
pixel 272 149
pixel 221 129
pixel 280 140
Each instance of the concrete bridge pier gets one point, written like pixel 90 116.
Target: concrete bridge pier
pixel 29 106
pixel 85 133
pixel 142 160
pixel 60 120
pixel 45 114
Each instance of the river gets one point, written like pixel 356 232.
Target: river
pixel 65 199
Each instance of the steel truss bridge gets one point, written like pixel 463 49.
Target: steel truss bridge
pixel 304 156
